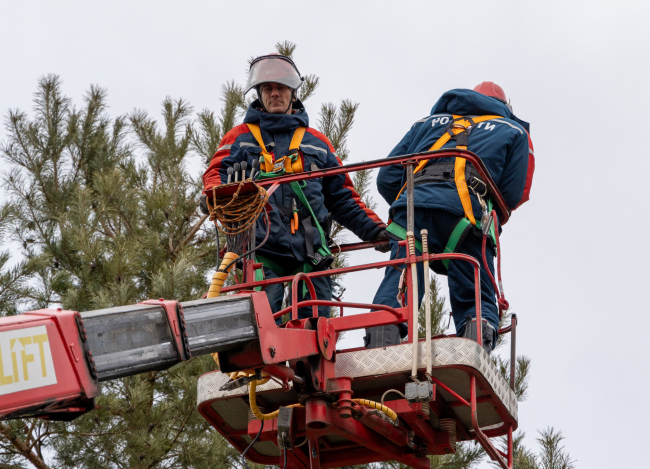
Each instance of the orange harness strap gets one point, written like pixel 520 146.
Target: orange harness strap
pixel 290 164
pixel 459 125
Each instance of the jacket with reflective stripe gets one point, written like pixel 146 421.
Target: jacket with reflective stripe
pixel 333 194
pixel 504 146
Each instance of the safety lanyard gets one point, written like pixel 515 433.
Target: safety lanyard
pixel 295 186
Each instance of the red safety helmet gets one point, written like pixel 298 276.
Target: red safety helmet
pixel 489 88
pixel 273 68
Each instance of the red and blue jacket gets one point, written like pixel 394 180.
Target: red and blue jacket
pixel 504 145
pixel 332 194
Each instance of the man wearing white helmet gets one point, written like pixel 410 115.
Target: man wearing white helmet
pixel 276 133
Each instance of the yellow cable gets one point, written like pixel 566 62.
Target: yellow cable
pixel 252 397
pixel 253 402
pixel 221 275
pixel 376 405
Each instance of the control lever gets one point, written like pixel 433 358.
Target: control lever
pixel 243 170
pixel 241 381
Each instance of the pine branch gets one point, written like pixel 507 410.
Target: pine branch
pixel 191 234
pixel 438 313
pixel 234 103
pixel 285 48
pixel 336 123
pixel 21 447
pixel 308 88
pixel 362 181
pixel 552 455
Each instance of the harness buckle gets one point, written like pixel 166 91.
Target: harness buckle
pixel 474 183
pixel 279 166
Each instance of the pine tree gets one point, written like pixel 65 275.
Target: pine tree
pixel 106 213
pixel 551 455
pixel 108 208
pixel 19 440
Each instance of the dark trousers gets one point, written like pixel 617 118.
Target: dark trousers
pixel 275 294
pixel 460 274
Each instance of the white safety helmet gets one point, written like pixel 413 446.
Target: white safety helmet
pixel 273 68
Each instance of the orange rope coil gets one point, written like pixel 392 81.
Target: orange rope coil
pixel 238 212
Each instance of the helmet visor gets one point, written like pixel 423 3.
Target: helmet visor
pixel 273 69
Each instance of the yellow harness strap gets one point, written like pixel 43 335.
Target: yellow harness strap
pixel 459 125
pixel 294 146
pixel 297 138
pixel 291 165
pixel 266 163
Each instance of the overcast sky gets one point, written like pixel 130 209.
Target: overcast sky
pixel 575 257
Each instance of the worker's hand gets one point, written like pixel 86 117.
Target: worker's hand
pixel 383 237
pixel 203 205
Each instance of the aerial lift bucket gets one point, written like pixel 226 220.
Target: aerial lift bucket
pixel 329 403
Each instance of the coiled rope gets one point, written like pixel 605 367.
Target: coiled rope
pixel 238 212
pixel 234 216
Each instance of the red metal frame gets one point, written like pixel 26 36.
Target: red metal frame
pixel 74 388
pixel 413 158
pixel 308 345
pixel 310 341
pixel 70 381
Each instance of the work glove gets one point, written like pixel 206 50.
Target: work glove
pixel 383 237
pixel 203 205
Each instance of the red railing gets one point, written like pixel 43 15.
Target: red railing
pixel 381 314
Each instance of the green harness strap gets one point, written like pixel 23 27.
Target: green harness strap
pixel 459 230
pixel 452 243
pixel 280 271
pixel 400 232
pixel 457 234
pixel 307 267
pixel 323 250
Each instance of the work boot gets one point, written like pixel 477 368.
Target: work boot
pixel 382 336
pixel 487 331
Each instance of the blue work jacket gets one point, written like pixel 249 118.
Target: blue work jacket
pixel 503 144
pixel 332 194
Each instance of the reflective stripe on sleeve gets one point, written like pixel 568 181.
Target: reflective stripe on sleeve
pixel 508 123
pixel 313 147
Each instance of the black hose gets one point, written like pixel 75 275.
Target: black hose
pixel 268 231
pixel 285 459
pixel 243 455
pixel 218 247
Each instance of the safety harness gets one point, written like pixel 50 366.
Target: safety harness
pixel 291 164
pixel 270 167
pixel 459 129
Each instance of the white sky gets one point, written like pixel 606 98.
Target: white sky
pixel 575 256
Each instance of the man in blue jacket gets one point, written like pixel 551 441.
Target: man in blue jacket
pixel 276 133
pixel 502 141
